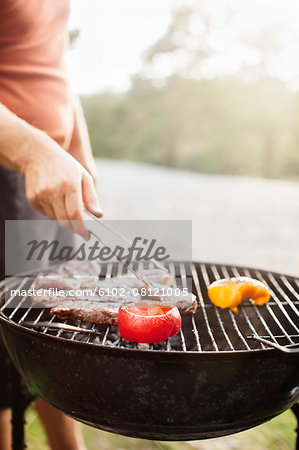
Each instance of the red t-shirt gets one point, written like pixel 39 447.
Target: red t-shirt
pixel 33 80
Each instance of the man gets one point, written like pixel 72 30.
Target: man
pixel 46 164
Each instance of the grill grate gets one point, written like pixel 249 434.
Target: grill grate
pixel 211 329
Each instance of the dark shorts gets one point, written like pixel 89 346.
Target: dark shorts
pixel 13 206
pixel 5 377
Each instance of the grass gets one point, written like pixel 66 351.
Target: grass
pixel 277 434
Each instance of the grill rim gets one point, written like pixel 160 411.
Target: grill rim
pixel 204 354
pixel 4 320
pixel 245 371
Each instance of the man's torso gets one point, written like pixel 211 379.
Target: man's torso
pixel 33 82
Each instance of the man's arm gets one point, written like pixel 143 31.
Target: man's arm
pixel 56 184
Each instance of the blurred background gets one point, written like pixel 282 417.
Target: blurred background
pixel 193 112
pixel 209 86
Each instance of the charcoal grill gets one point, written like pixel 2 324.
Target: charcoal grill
pixel 210 380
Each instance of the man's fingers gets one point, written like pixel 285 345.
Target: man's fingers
pixel 46 209
pixel 74 210
pixel 63 196
pixel 61 214
pixel 37 206
pixel 39 203
pixel 90 197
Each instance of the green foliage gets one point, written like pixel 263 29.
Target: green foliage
pixel 215 126
pixel 202 120
pixel 277 434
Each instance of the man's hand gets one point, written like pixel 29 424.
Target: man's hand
pixel 56 184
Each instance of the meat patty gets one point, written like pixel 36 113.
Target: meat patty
pixel 102 306
pixel 54 280
pixel 105 311
pixel 87 311
pixel 185 302
pixel 153 275
pixel 72 274
pixel 76 274
pixel 51 300
pixel 78 268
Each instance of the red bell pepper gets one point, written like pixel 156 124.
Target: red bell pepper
pixel 148 324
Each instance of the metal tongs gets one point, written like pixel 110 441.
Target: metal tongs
pixel 124 239
pixel 60 326
pixel 292 348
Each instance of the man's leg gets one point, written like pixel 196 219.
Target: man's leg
pixel 5 400
pixel 5 429
pixel 62 431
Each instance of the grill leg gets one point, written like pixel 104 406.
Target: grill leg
pixel 20 401
pixel 295 409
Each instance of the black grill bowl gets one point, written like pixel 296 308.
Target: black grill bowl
pixel 155 395
pixel 208 381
